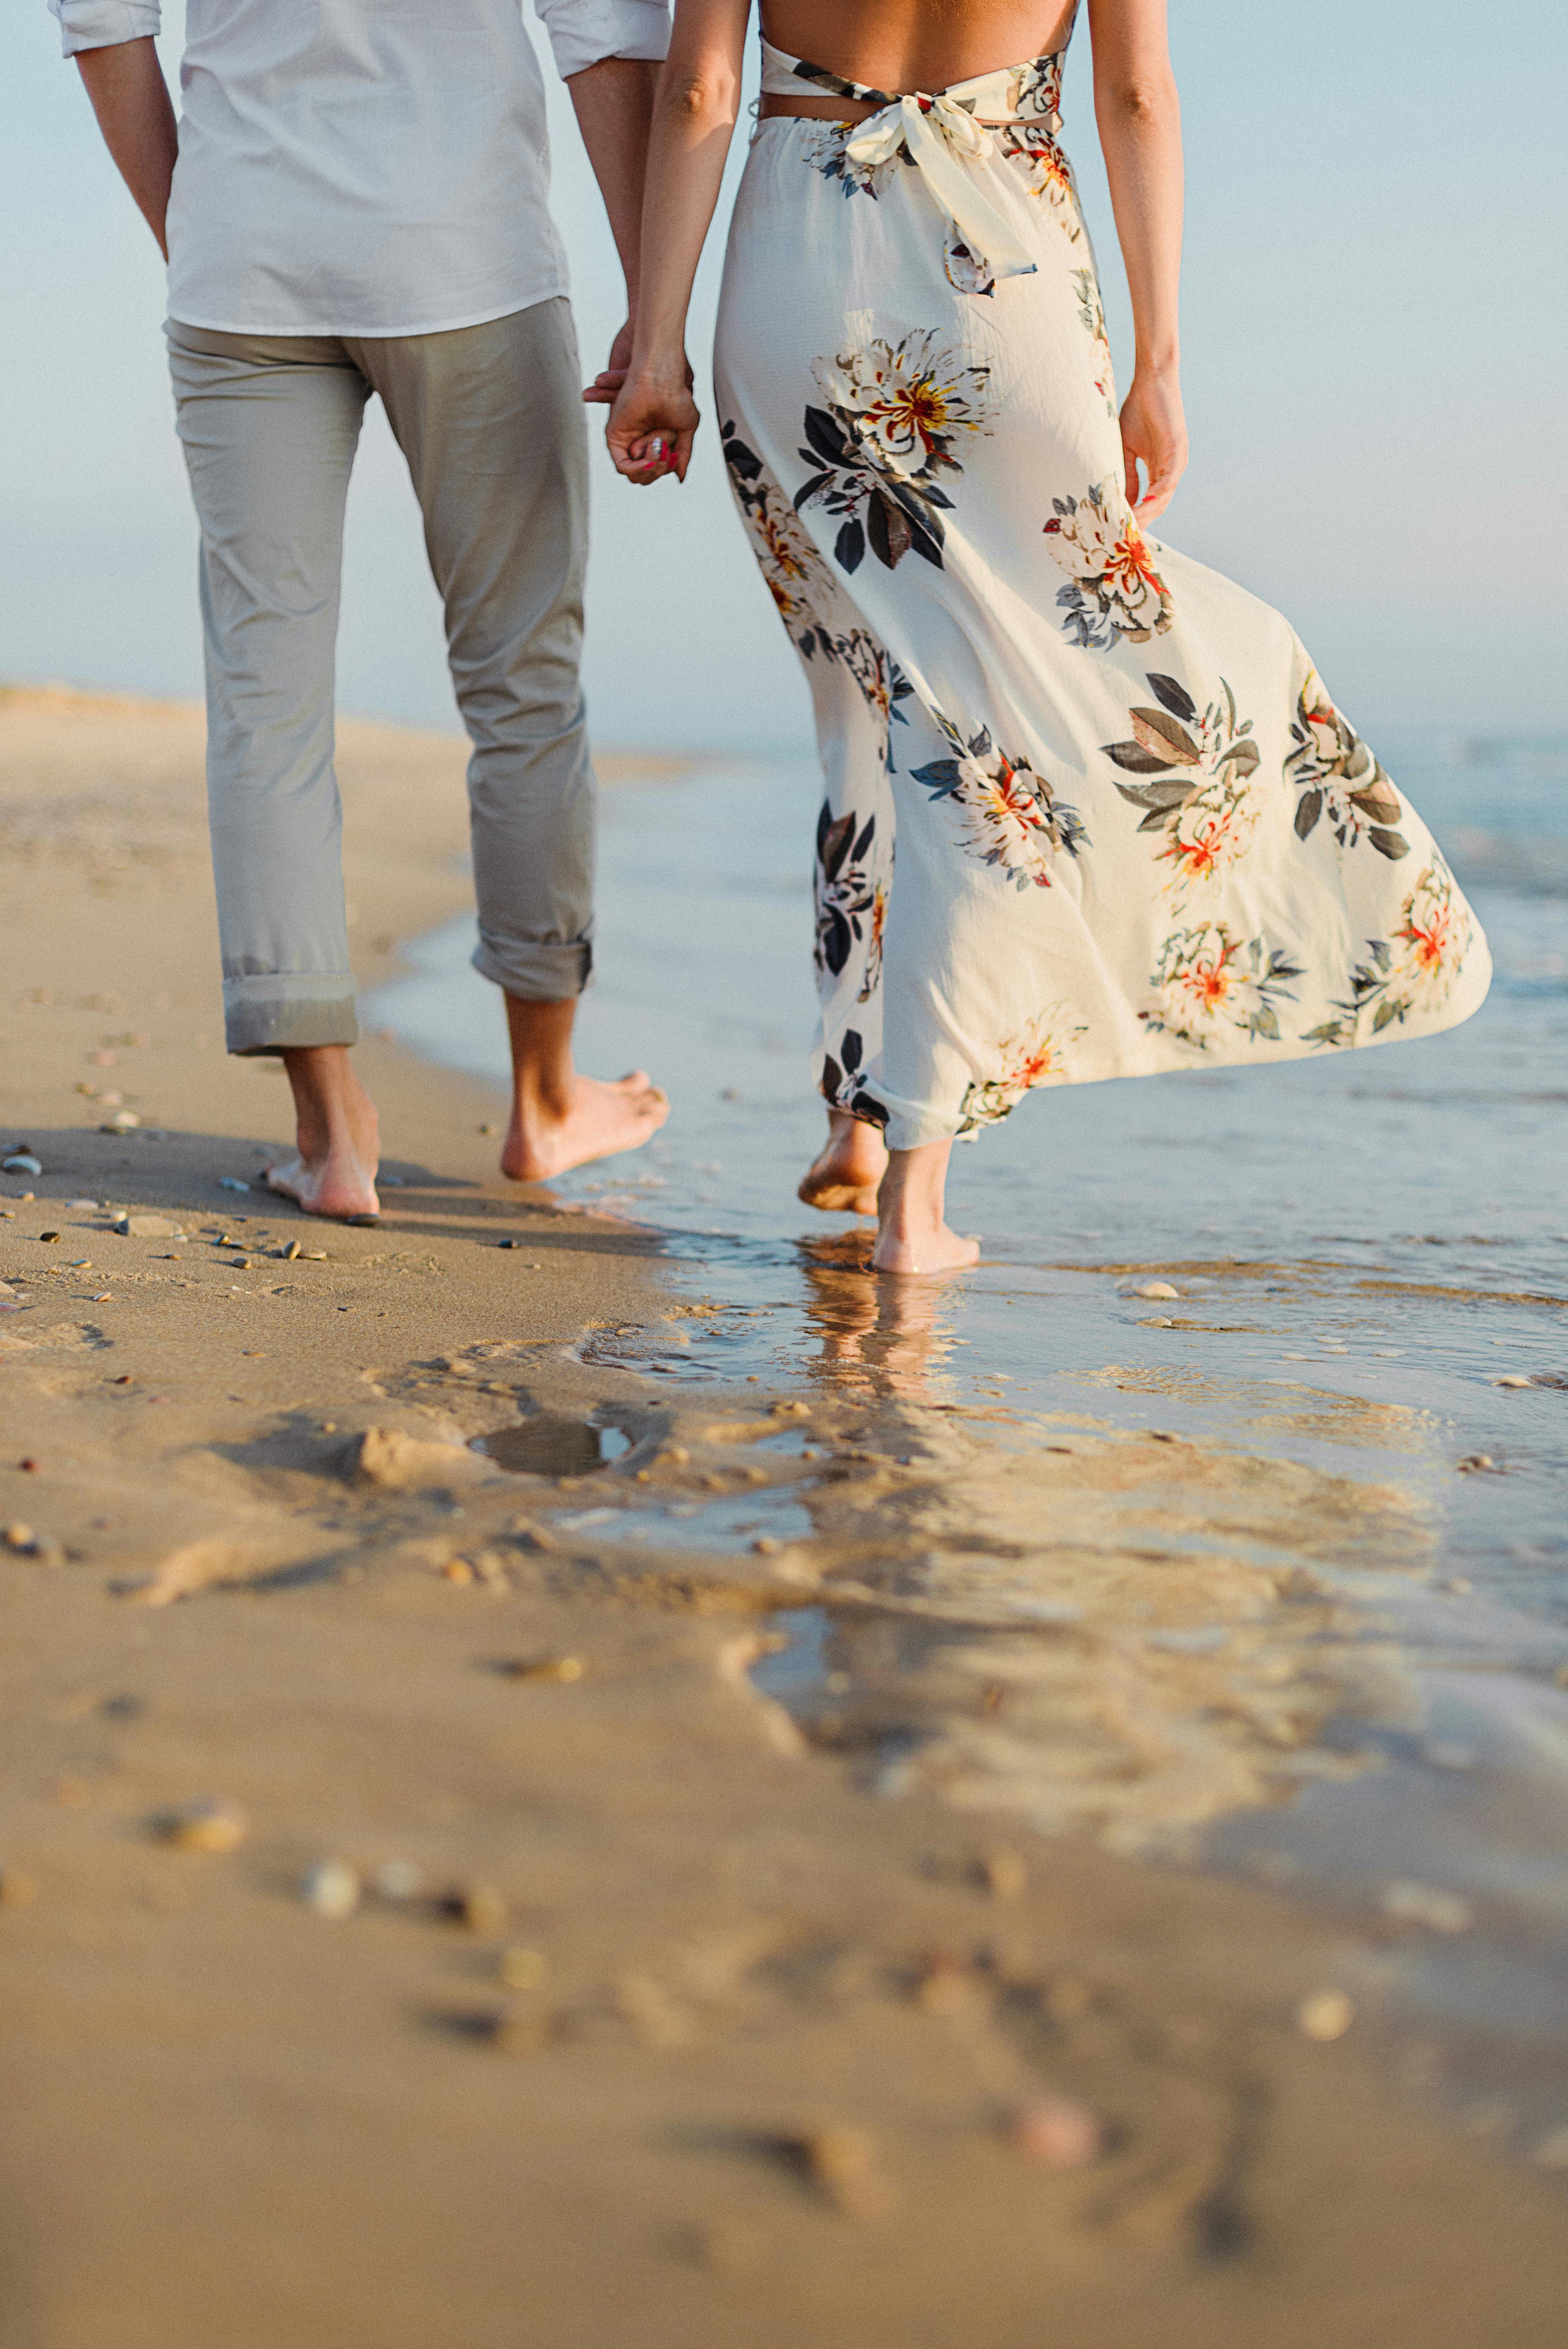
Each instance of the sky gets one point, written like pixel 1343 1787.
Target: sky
pixel 1374 361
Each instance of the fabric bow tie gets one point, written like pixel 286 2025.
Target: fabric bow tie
pixel 941 139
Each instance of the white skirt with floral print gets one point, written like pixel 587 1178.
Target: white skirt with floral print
pixel 1131 832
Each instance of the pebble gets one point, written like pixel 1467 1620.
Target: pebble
pixel 204 1826
pixel 331 1888
pixel 521 1969
pixel 22 1161
pixel 1474 1461
pixel 766 1546
pixel 146 1227
pixel 841 2163
pixel 397 1880
pixel 1004 1875
pixel 519 2034
pixel 1157 1289
pixel 1054 2133
pixel 19 1536
pixel 83 1204
pixel 292 1251
pixel 544 1667
pixel 457 1569
pixel 1428 1904
pixel 1327 2015
pixel 1511 1379
pixel 477 1906
pixel 231 1183
pixel 124 1120
pixel 15 1890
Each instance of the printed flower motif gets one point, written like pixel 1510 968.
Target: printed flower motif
pixel 1092 313
pixel 1037 92
pixel 1208 980
pixel 843 1083
pixel 1041 1055
pixel 1413 971
pixel 796 576
pixel 1009 816
pixel 882 444
pixel 1337 775
pixel 883 683
pixel 1199 791
pixel 1044 170
pixel 850 901
pixel 1113 590
pixel 826 145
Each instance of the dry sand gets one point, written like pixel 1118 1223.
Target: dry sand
pixel 663 2030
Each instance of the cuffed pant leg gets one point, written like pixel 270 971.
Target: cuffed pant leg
pixel 269 425
pixel 491 420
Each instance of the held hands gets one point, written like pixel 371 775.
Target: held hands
pixel 653 416
pixel 1153 427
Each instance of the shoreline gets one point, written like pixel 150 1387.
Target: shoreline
pixel 673 2016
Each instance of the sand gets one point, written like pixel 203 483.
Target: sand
pixel 532 1978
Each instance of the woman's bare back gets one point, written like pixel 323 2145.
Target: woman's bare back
pixel 906 45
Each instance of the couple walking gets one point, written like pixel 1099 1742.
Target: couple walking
pixel 1089 809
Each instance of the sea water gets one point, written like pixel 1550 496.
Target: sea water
pixel 1370 1252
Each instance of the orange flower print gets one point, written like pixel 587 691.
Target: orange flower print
pixel 1339 777
pixel 1041 1055
pixel 1044 170
pixel 1208 979
pixel 1008 815
pixel 1412 970
pixel 1114 593
pixel 1196 768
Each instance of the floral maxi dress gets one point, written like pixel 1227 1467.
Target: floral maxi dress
pixel 1088 811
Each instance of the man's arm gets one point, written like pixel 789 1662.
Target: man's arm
pixel 613 102
pixel 608 53
pixel 131 99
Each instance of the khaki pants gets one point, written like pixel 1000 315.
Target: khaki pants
pixel 491 420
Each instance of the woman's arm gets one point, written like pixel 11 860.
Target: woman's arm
pixel 1139 118
pixel 131 99
pixel 694 112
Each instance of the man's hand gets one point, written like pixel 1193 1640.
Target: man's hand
pixel 131 99
pixel 613 374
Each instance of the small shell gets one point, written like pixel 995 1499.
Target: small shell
pixel 204 1826
pixel 1326 2016
pixel 332 1888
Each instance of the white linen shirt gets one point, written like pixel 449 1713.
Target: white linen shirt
pixel 365 166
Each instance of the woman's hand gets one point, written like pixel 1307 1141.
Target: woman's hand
pixel 1153 427
pixel 652 425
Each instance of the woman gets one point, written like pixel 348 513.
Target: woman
pixel 1132 832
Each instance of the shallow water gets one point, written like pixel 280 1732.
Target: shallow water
pixel 1363 1246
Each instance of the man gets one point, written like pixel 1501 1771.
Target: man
pixel 355 203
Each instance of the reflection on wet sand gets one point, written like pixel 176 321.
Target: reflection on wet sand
pixel 1066 1618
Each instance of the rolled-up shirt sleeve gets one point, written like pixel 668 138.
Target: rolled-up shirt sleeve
pixel 103 23
pixel 581 31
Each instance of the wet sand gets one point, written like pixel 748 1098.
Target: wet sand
pixel 627 2007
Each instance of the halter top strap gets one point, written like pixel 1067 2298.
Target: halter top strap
pixel 944 134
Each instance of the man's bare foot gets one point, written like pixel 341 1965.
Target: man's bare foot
pixel 595 1120
pixel 936 1250
pixel 559 1120
pixel 843 1178
pixel 333 1172
pixel 912 1228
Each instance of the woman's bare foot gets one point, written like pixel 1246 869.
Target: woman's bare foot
pixel 591 1120
pixel 843 1178
pixel 559 1120
pixel 911 1230
pixel 333 1172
